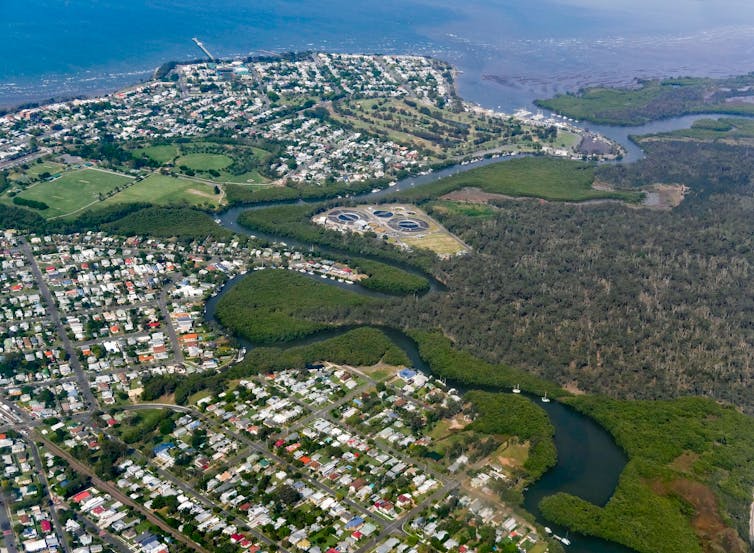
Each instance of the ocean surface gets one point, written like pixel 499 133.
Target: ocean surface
pixel 59 48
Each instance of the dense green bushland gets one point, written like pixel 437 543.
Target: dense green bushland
pixel 635 516
pixel 656 99
pixel 363 346
pixel 688 447
pixel 165 222
pixel 34 204
pixel 536 177
pixel 463 368
pixel 240 194
pixel 632 303
pixel 271 306
pixel 514 415
pixel 388 279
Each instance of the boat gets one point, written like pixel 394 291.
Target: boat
pixel 393 183
pixel 545 399
pixel 516 389
pixel 218 221
pixel 548 530
pixel 375 190
pixel 564 541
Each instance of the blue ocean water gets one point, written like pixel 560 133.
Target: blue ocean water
pixel 510 51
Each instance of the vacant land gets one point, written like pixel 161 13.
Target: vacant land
pixel 657 99
pixel 74 190
pixel 165 190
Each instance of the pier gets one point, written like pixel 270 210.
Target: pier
pixel 203 48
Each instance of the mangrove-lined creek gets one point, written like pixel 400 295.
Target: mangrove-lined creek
pixel 589 461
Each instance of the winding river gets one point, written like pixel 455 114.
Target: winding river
pixel 589 462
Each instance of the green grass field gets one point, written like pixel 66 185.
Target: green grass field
pixel 204 162
pixel 164 190
pixel 73 191
pixel 161 153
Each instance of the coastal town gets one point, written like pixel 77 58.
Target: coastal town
pixel 101 453
pixel 317 458
pixel 197 129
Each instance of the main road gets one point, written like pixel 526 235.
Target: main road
pixel 52 310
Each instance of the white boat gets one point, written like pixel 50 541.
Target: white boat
pixel 218 221
pixel 564 541
pixel 545 399
pixel 548 530
pixel 393 183
pixel 375 190
pixel 241 354
pixel 516 389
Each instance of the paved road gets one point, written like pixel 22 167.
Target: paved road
pixel 264 450
pixel 163 303
pixel 116 494
pixel 52 309
pixel 116 543
pixel 42 474
pixel 199 496
pixel 397 524
pixel 5 525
